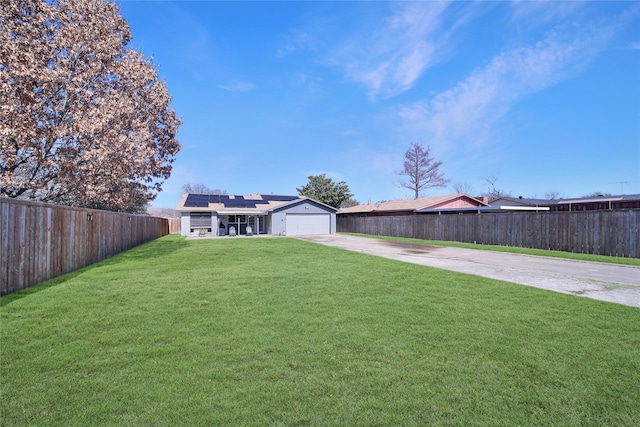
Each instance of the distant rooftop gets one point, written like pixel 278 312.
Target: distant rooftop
pixel 550 202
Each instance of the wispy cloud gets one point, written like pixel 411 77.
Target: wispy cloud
pixel 633 46
pixel 311 82
pixel 389 60
pixel 237 86
pixel 294 42
pixel 350 132
pixel 466 113
pixel 542 12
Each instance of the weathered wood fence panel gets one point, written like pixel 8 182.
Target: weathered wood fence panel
pixel 613 233
pixel 40 241
pixel 174 225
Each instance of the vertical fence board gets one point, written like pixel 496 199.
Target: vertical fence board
pixel 4 247
pixel 31 272
pixel 620 225
pixel 20 253
pixel 174 225
pixel 634 237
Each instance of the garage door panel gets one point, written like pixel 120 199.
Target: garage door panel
pixel 300 224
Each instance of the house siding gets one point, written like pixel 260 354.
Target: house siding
pixel 185 223
pixel 278 224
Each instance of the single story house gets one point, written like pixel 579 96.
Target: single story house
pixel 412 206
pixel 223 215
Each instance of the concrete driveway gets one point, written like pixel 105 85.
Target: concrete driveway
pixel 607 282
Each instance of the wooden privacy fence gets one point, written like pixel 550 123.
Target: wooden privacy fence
pixel 40 241
pixel 613 233
pixel 174 225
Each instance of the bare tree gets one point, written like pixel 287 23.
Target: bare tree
pixel 163 212
pixel 552 195
pixel 492 192
pixel 84 120
pixel 200 189
pixel 597 194
pixel 463 188
pixel 421 169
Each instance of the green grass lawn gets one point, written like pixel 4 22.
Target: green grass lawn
pixel 277 331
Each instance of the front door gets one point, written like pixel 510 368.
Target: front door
pixel 257 224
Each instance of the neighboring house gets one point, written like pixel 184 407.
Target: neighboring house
pixel 521 201
pixel 625 201
pixel 219 215
pixel 411 206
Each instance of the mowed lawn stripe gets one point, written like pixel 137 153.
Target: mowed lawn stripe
pixel 277 331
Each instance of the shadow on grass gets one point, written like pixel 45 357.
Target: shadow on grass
pixel 164 246
pixel 23 293
pixel 157 248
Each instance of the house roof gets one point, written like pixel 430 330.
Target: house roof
pixel 595 199
pixel 426 202
pixel 238 205
pixel 520 201
pixel 413 204
pixel 359 209
pixel 480 209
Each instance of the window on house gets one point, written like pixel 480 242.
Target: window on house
pixel 242 219
pixel 200 220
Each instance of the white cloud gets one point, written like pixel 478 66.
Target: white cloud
pixel 237 86
pixel 389 60
pixel 542 12
pixel 467 113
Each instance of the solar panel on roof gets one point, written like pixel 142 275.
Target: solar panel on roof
pixel 218 198
pixel 278 198
pixel 203 200
pixel 240 203
pixel 197 201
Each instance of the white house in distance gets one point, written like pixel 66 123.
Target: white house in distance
pixel 224 215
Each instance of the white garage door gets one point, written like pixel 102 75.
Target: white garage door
pixel 299 224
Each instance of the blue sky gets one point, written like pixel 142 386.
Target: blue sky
pixel 541 96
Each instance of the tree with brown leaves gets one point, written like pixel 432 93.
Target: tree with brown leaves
pixel 84 120
pixel 421 169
